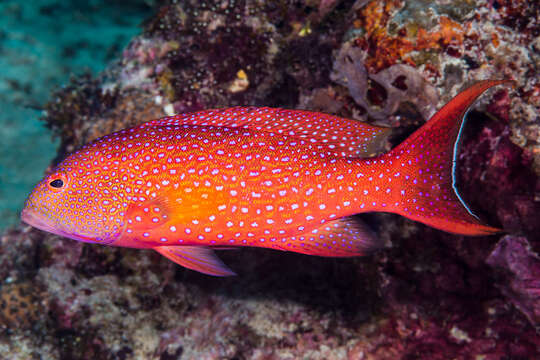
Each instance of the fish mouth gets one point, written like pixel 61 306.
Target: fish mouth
pixel 37 221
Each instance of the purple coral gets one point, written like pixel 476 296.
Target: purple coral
pixel 519 267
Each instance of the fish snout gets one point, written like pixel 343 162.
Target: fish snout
pixel 26 216
pixel 31 218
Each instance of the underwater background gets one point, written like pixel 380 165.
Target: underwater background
pixel 71 71
pixel 42 44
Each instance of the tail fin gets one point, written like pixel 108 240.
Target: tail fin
pixel 425 164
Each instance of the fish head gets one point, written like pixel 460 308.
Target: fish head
pixel 78 201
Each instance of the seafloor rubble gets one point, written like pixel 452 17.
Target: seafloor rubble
pixel 428 295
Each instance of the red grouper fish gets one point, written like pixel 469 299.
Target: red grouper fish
pixel 188 184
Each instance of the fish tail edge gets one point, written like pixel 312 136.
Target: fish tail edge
pixel 426 164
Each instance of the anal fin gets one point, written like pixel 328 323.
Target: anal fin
pixel 196 258
pixel 344 237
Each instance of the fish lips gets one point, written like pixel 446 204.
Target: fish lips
pixel 37 221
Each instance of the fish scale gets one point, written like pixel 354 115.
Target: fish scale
pixel 262 185
pixel 281 179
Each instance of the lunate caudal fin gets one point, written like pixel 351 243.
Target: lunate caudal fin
pixel 425 164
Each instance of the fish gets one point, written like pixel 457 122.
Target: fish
pixel 291 180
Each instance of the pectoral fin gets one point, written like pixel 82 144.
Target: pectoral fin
pixel 196 258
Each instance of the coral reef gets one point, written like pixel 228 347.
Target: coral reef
pixel 20 305
pixel 428 295
pixel 380 94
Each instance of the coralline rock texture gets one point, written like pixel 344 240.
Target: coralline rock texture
pixel 450 44
pixel 20 305
pixel 380 94
pixel 428 295
pixel 520 268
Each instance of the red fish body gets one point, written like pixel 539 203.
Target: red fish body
pixel 281 179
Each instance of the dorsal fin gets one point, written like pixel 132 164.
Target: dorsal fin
pixel 340 136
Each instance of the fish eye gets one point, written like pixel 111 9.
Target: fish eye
pixel 57 183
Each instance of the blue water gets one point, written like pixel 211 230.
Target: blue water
pixel 43 42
